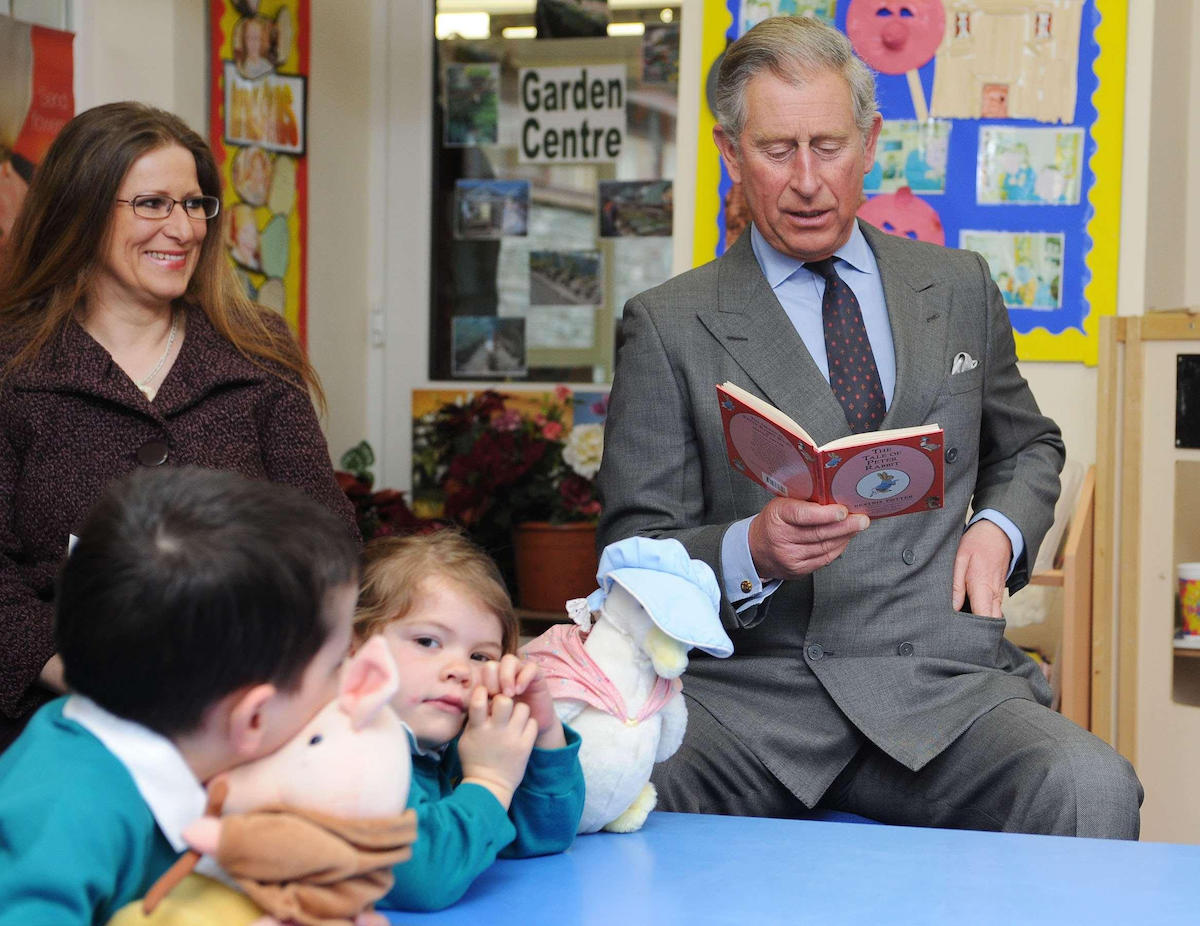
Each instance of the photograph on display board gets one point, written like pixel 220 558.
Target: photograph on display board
pixel 36 100
pixel 487 345
pixel 565 278
pixel 251 174
pixel 660 54
pixel 1029 165
pixel 635 208
pixel 472 104
pixel 487 209
pixel 911 154
pixel 1026 267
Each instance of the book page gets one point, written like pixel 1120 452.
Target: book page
pixel 767 410
pixel 879 437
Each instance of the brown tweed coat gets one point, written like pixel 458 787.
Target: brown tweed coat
pixel 75 420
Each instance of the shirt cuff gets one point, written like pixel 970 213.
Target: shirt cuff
pixel 739 578
pixel 1014 534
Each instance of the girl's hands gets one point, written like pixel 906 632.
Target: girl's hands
pixel 523 681
pixel 495 746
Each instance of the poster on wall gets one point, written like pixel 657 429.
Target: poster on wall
pixel 36 100
pixel 1016 155
pixel 258 128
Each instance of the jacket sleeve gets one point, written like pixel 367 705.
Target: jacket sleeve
pixel 547 806
pixel 651 480
pixel 458 837
pixel 26 622
pixel 1021 451
pixel 295 452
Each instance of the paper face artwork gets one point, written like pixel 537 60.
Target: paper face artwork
pixel 895 36
pixel 904 215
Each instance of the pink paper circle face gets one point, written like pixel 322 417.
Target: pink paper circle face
pixel 904 215
pixel 895 36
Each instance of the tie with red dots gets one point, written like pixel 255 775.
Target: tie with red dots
pixel 853 376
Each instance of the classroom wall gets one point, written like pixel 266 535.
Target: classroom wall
pixel 367 157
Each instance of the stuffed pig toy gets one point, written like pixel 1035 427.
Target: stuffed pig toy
pixel 614 674
pixel 310 832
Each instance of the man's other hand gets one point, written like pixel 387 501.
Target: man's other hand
pixel 980 568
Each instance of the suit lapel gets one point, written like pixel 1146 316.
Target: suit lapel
pixel 920 319
pixel 752 326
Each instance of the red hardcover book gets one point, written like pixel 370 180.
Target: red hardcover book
pixel 879 473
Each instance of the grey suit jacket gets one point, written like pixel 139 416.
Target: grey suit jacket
pixel 867 646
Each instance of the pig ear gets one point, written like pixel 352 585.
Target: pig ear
pixel 369 679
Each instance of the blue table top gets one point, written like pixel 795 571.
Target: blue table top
pixel 693 869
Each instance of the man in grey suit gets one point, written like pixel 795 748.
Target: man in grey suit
pixel 870 672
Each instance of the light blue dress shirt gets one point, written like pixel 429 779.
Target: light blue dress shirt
pixel 800 292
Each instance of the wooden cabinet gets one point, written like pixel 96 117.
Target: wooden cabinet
pixel 1145 692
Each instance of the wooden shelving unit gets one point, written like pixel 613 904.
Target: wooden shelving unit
pixel 1146 692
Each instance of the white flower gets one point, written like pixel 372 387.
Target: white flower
pixel 583 448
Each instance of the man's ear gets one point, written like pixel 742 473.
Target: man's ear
pixel 729 154
pixel 247 719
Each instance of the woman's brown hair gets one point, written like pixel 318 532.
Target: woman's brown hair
pixel 394 569
pixel 63 227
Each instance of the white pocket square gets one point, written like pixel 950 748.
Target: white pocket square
pixel 963 362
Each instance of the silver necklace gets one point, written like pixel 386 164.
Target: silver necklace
pixel 144 385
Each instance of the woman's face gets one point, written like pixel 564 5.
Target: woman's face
pixel 148 262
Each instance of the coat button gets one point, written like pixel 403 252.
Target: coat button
pixel 814 651
pixel 909 557
pixel 152 453
pixel 905 649
pixel 951 454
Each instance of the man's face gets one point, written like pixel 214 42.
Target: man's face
pixel 801 162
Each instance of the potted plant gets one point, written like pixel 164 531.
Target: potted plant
pixel 521 482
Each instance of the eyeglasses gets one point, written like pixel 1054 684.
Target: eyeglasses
pixel 156 206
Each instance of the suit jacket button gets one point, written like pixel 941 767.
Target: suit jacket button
pixel 152 453
pixel 814 651
pixel 905 649
pixel 951 454
pixel 909 557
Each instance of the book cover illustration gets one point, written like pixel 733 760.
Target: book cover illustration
pixel 879 473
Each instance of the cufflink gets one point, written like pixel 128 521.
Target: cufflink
pixel 747 586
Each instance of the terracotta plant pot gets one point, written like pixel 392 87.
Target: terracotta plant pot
pixel 554 563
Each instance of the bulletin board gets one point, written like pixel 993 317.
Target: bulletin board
pixel 1029 178
pixel 257 128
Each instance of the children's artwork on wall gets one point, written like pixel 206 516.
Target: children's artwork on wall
pixel 1019 155
pixel 635 208
pixel 485 345
pixel 912 154
pixel 755 11
pixel 36 100
pixel 1029 165
pixel 1026 267
pixel 257 128
pixel 489 209
pixel 903 214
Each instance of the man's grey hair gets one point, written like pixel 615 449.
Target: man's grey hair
pixel 795 49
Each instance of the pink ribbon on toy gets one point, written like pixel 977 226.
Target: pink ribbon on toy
pixel 571 673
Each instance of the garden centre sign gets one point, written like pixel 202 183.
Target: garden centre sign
pixel 571 114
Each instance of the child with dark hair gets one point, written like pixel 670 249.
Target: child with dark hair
pixel 495 773
pixel 202 618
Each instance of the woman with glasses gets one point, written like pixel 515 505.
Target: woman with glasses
pixel 126 341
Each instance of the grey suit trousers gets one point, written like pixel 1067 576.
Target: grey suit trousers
pixel 1020 767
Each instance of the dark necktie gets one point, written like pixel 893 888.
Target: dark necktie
pixel 853 376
